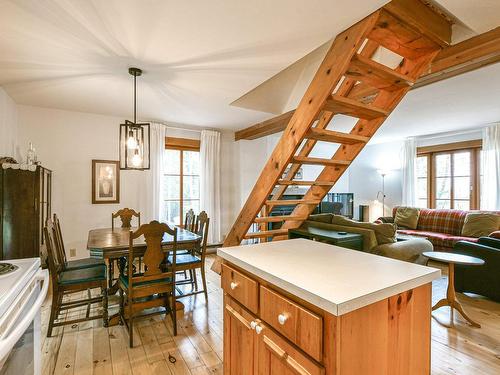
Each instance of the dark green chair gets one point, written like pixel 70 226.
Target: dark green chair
pixel 483 280
pixel 72 264
pixel 69 281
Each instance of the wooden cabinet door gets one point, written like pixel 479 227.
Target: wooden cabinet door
pixel 239 340
pixel 277 357
pixel 19 220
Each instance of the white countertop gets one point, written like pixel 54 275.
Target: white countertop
pixel 333 278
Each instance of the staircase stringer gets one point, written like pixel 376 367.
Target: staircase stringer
pixel 331 70
pixel 385 99
pixel 368 50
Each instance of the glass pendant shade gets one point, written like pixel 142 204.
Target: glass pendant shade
pixel 134 146
pixel 134 137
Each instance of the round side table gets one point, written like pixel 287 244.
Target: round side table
pixel 451 298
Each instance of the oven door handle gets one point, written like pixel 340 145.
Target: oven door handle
pixel 7 343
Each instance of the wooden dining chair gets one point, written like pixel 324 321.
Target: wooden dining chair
pixel 190 220
pixel 196 260
pixel 125 215
pixel 155 287
pixel 67 282
pixel 72 264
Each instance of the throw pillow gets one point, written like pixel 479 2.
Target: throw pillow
pixel 407 217
pixel 479 224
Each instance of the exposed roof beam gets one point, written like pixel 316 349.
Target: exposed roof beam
pixel 463 57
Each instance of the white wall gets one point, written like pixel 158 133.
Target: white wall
pixel 365 180
pixel 67 141
pixel 8 126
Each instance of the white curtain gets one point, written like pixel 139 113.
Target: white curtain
pixel 210 181
pixel 154 179
pixel 490 189
pixel 409 161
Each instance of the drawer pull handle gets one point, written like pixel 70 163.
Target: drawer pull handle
pixel 282 318
pixel 233 285
pixel 258 329
pixel 253 324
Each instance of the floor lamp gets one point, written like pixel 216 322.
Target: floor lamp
pixel 383 173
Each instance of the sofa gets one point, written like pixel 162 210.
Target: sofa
pixel 442 227
pixel 378 239
pixel 485 279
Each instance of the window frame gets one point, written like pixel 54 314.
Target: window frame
pixel 430 152
pixel 181 145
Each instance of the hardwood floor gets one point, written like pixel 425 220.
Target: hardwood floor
pixel 89 348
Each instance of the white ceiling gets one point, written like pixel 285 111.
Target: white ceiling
pixel 198 55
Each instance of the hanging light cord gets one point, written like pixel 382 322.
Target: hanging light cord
pixel 135 98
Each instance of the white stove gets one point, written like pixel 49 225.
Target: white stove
pixel 23 288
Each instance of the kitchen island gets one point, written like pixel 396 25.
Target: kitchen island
pixel 304 307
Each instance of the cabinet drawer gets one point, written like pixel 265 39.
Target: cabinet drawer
pixel 301 326
pixel 277 356
pixel 242 288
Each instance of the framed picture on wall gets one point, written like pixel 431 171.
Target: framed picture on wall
pixel 105 181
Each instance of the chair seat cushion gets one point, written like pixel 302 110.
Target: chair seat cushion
pixel 124 281
pixel 183 259
pixel 84 263
pixel 83 275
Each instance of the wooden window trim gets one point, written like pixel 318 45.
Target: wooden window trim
pixel 431 152
pixel 477 143
pixel 183 144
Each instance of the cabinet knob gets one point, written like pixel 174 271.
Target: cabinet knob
pixel 282 319
pixel 258 329
pixel 233 285
pixel 253 324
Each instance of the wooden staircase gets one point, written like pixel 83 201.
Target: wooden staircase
pixel 408 28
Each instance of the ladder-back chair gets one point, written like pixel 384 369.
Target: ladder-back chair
pixel 72 264
pixel 190 220
pixel 65 282
pixel 196 260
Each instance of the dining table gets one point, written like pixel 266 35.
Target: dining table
pixel 112 244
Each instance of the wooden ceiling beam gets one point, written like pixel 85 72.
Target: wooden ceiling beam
pixel 463 57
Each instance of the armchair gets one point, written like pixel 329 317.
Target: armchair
pixel 484 280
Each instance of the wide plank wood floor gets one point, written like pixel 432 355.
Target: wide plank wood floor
pixel 89 348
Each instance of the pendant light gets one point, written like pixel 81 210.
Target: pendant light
pixel 134 137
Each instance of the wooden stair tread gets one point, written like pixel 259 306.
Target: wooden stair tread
pixel 351 107
pixel 304 183
pixel 290 202
pixel 272 219
pixel 336 137
pixel 266 233
pixel 319 161
pixel 377 75
pixel 400 38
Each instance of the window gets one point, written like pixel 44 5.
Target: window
pixel 182 179
pixel 448 176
